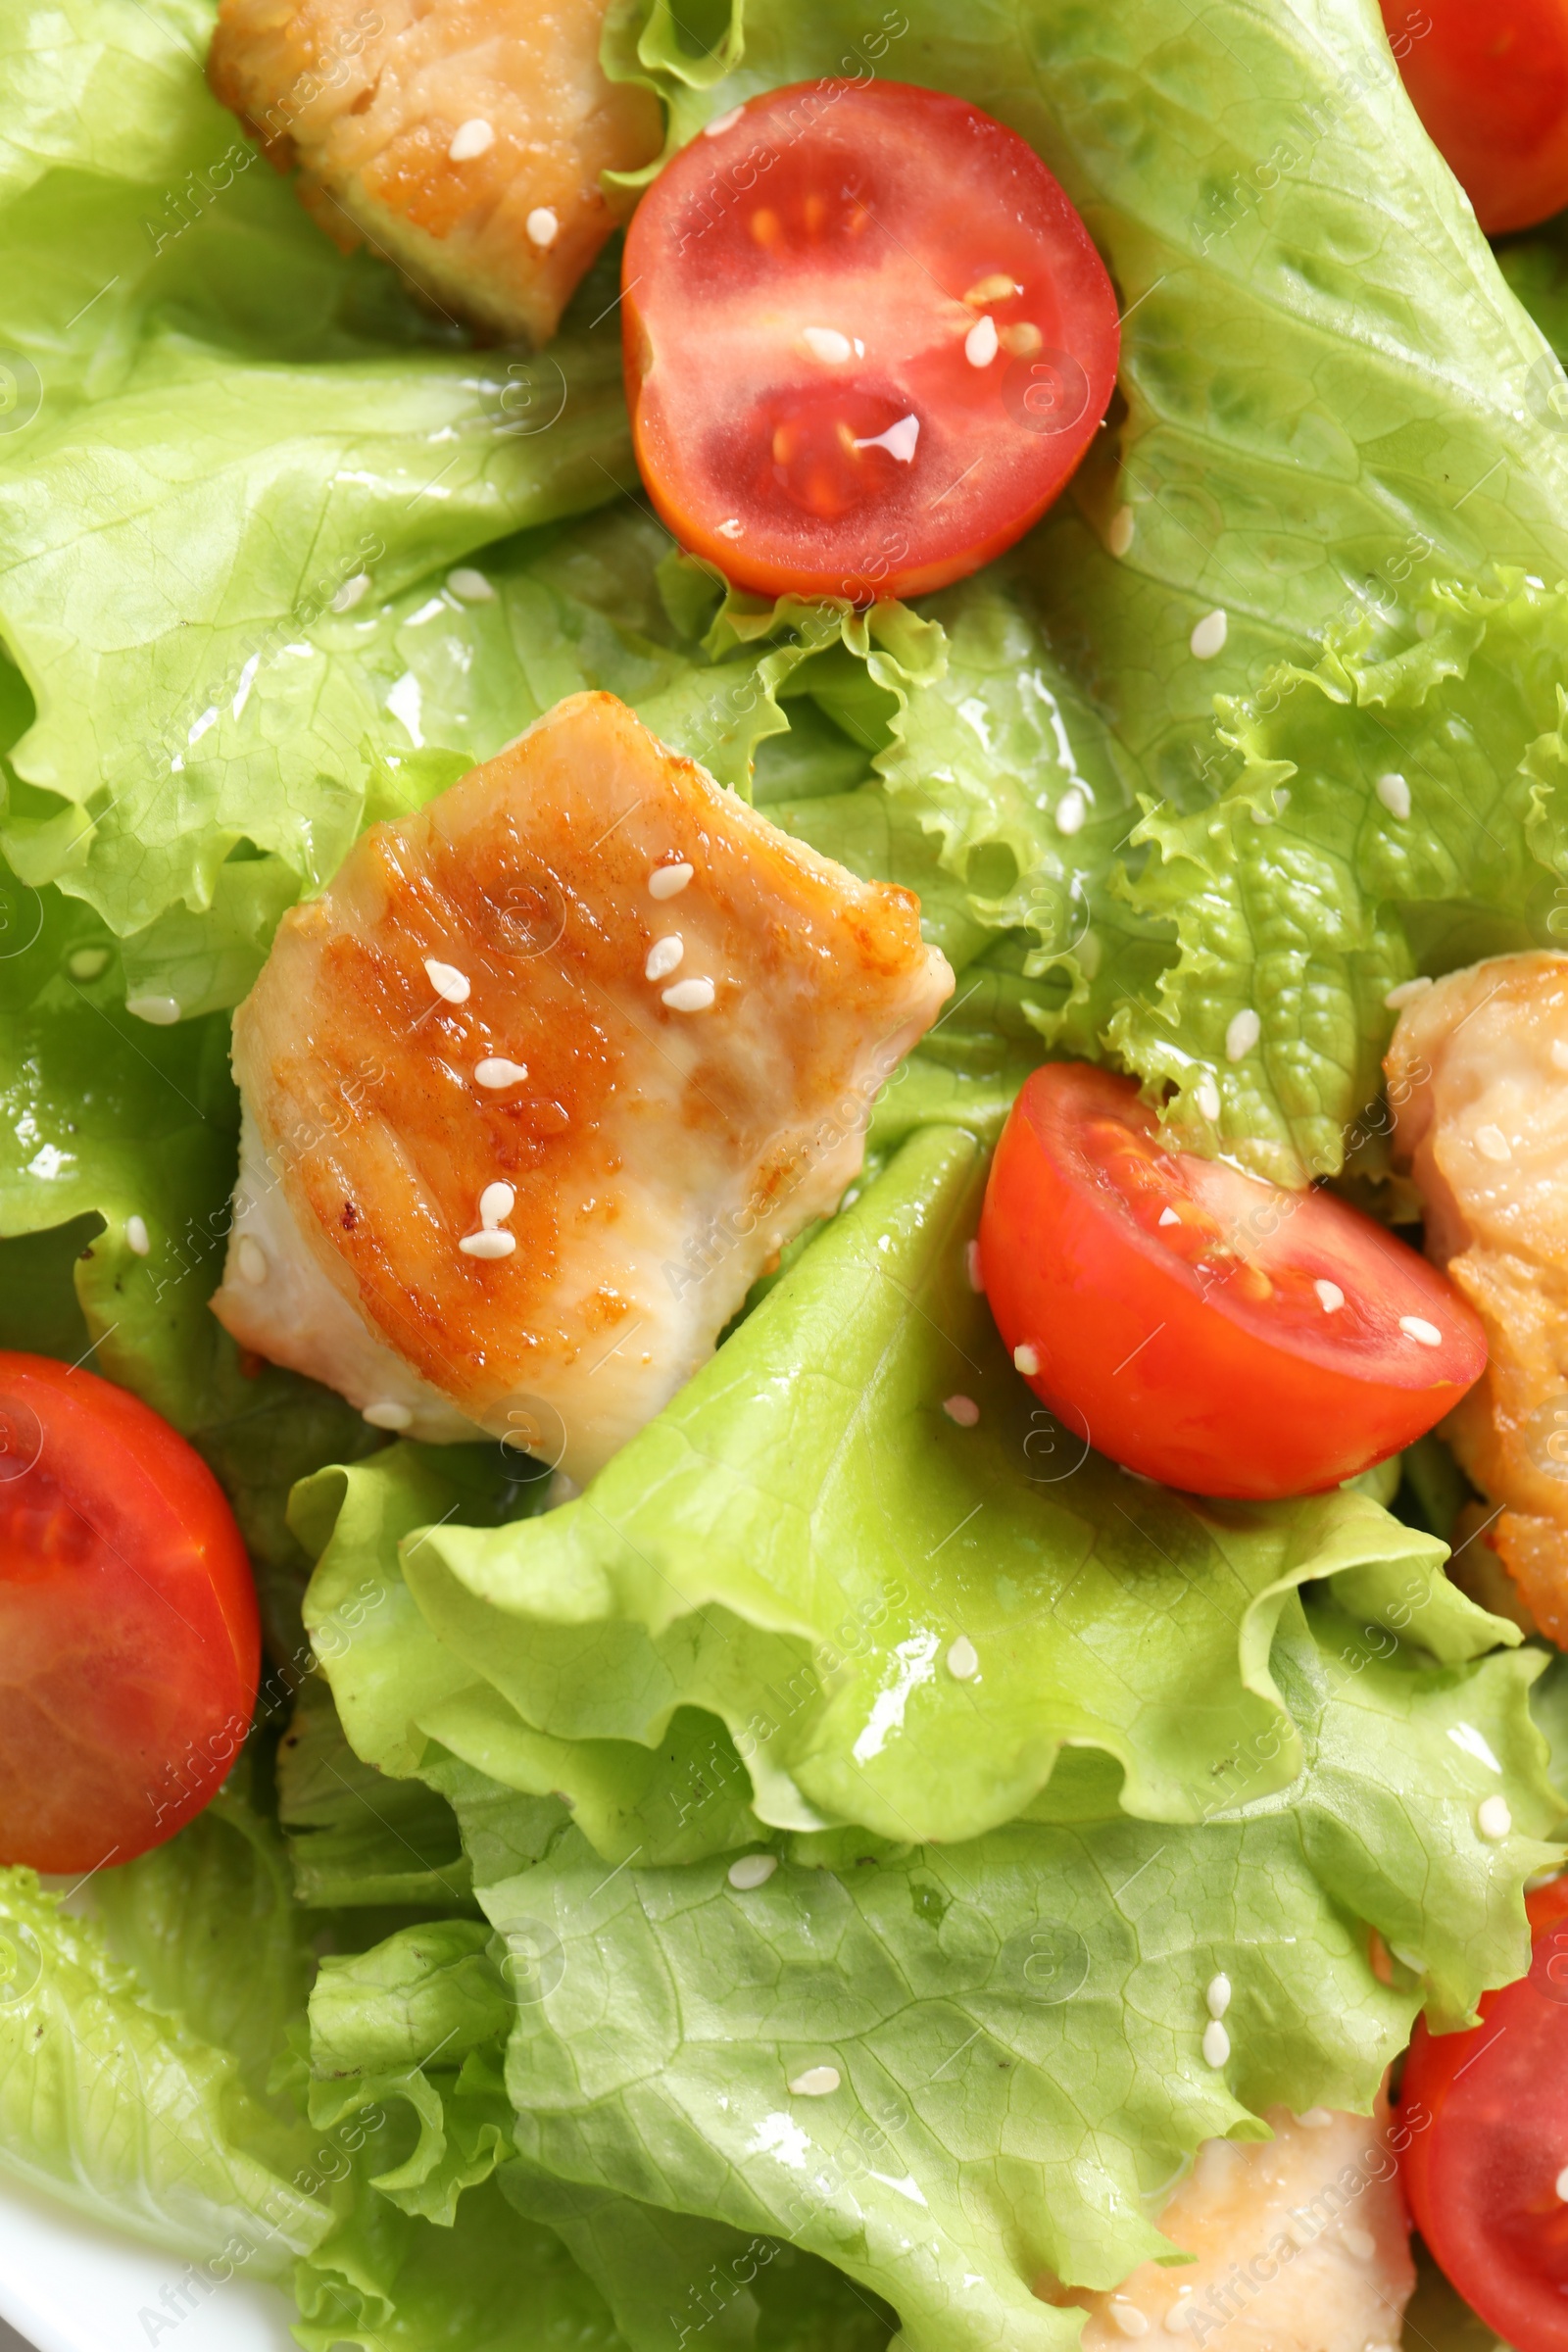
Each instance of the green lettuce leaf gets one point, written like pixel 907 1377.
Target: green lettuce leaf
pixel 793 1547
pixel 1013 2025
pixel 112 2099
pixel 388 2281
pixel 208 1926
pixel 355 1837
pixel 1398 809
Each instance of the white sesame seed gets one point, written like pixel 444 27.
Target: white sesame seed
pixel 1071 810
pixel 963 1410
pixel 496 1070
pixel 971 1268
pixel 751 1869
pixel 87 962
pixel 1128 2318
pixel 1493 1819
pixel 668 881
pixel 1359 2242
pixel 826 344
pixel 900 440
pixel 473 139
pixel 496 1202
pixel 1330 1297
pixel 388 1414
pixel 1216 2043
pixel 1406 993
pixel 1395 793
pixel 250 1262
pixel 470 587
pixel 981 343
pixel 349 595
pixel 1560 2184
pixel 963 1659
pixel 1218 1995
pixel 1242 1034
pixel 1315 2119
pixel 664 956
pixel 1209 636
pixel 816 2082
pixel 688 996
pixel 543 227
pixel 1493 1143
pixel 1207 1096
pixel 1169 1216
pixel 722 123
pixel 1120 537
pixel 447 981
pixel 1025 1360
pixel 162 1011
pixel 136 1241
pixel 1417 1327
pixel 489 1243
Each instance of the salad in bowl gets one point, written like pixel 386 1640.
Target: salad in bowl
pixel 784 1300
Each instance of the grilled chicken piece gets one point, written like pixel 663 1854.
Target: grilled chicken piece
pixel 463 140
pixel 1302 2246
pixel 1477 1072
pixel 543 1081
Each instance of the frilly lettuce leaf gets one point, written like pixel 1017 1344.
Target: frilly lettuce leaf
pixel 1014 2024
pixel 793 1547
pixel 1394 809
pixel 114 2099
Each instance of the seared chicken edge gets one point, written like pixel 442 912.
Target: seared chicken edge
pixel 1478 1076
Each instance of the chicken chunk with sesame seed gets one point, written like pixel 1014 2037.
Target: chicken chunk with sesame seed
pixel 463 139
pixel 510 1162
pixel 1478 1077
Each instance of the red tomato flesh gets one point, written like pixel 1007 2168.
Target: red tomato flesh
pixel 867 339
pixel 1488 2117
pixel 1199 1326
pixel 1489 79
pixel 130 1637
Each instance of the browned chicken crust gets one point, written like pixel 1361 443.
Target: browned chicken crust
pixel 1478 1071
pixel 463 140
pixel 546 1077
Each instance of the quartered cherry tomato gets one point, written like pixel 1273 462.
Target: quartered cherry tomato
pixel 867 339
pixel 130 1637
pixel 1489 80
pixel 1196 1325
pixel 1486 2171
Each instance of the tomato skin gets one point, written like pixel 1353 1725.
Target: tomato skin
pixel 130 1635
pixel 1212 1369
pixel 876 212
pixel 1488 2114
pixel 1489 79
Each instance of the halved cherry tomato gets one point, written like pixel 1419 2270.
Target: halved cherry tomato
pixel 1489 80
pixel 129 1640
pixel 1196 1325
pixel 1486 2165
pixel 867 339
